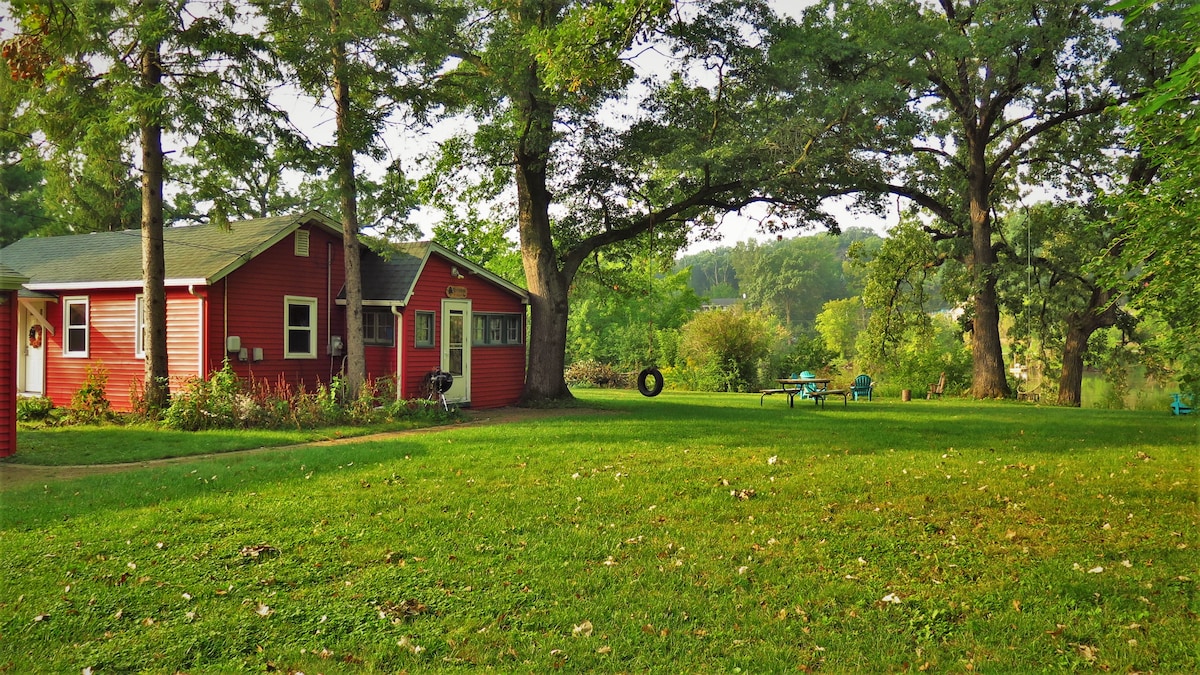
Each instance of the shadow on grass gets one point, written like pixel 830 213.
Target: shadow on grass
pixel 666 426
pixel 157 486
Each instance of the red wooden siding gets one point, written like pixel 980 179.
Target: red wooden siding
pixel 249 303
pixel 381 361
pixel 112 316
pixel 497 372
pixel 11 348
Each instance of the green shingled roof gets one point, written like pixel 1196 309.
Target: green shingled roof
pixel 196 253
pixel 392 278
pixel 10 279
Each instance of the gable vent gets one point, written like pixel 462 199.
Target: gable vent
pixel 302 243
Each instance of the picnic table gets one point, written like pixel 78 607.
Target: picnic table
pixel 798 386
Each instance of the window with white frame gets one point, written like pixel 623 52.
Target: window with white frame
pixel 300 327
pixel 139 326
pixel 75 327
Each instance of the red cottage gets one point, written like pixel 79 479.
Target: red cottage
pixel 267 294
pixel 10 351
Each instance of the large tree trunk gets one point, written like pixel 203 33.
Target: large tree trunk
pixel 548 286
pixel 1101 312
pixel 987 356
pixel 154 295
pixel 356 362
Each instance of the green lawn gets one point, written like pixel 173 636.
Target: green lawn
pixel 112 444
pixel 685 533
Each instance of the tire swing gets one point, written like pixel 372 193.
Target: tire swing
pixel 644 386
pixel 652 373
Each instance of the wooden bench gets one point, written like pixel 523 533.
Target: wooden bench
pixel 792 393
pixel 820 395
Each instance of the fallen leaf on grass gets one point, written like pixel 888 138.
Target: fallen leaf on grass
pixel 1088 652
pixel 400 611
pixel 604 650
pixel 1096 570
pixel 258 550
pixel 262 610
pixel 891 598
pixel 582 630
pixel 408 644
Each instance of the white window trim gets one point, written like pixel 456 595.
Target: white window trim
pixel 139 326
pixel 67 327
pixel 289 300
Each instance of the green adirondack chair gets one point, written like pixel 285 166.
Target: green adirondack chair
pixel 862 387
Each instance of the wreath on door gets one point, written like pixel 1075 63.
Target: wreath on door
pixel 35 337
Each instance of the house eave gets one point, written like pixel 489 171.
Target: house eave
pixel 108 285
pixel 372 303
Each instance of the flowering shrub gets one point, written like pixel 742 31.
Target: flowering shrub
pixel 223 401
pixel 90 403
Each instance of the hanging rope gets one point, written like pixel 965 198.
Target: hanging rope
pixel 651 373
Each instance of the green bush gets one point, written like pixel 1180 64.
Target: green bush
pixel 922 357
pixel 34 409
pixel 805 352
pixel 223 401
pixel 89 404
pixel 734 342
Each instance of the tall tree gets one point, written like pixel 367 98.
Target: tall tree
pixel 541 78
pixel 940 104
pixel 1055 242
pixel 132 72
pixel 21 180
pixel 1155 257
pixel 352 56
pixel 792 278
pixel 1053 299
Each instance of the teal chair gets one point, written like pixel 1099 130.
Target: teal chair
pixel 810 387
pixel 1180 404
pixel 862 387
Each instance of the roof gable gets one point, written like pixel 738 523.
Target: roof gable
pixel 392 279
pixel 195 254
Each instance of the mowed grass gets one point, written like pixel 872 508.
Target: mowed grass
pixel 685 533
pixel 111 444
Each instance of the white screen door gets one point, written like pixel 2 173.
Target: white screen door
pixel 456 348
